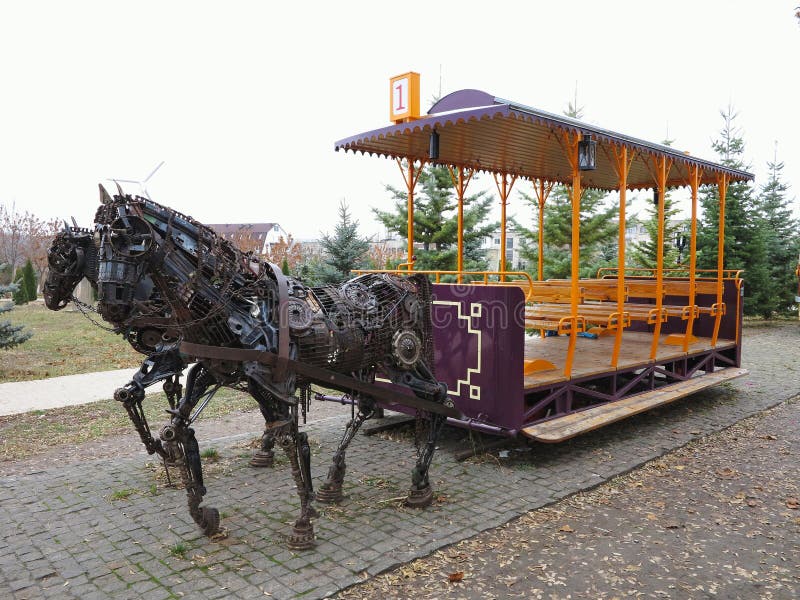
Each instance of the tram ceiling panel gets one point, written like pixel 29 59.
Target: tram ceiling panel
pixel 505 137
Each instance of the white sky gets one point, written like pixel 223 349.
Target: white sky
pixel 244 100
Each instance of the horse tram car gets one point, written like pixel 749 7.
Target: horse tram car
pixel 551 359
pixel 493 351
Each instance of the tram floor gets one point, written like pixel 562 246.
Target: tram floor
pixel 593 355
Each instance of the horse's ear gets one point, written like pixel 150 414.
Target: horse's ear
pixel 105 198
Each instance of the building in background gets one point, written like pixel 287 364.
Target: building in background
pixel 258 237
pixel 514 259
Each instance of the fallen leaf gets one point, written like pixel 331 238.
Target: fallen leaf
pixel 672 525
pixel 679 467
pixel 727 473
pixel 455 577
pixel 566 529
pixel 792 503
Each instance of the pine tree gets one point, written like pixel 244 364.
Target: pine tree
pixel 10 335
pixel 781 239
pixel 19 294
pixel 645 253
pixel 436 221
pixel 29 281
pixel 597 228
pixel 345 249
pixel 745 235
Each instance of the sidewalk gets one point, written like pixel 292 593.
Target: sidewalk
pixel 24 396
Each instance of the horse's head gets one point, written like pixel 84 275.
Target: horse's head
pixel 72 256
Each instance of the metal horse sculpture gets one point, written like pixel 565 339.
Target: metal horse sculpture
pixel 181 294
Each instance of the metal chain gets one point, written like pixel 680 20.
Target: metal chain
pixel 85 309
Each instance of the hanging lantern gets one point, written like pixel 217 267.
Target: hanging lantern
pixel 433 145
pixel 587 153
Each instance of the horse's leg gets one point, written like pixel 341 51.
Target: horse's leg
pixel 182 449
pixel 184 446
pixel 131 397
pixel 331 491
pixel 264 456
pixel 166 366
pixel 421 494
pixel 299 453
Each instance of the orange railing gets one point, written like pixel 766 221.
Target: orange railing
pixel 673 272
pixel 484 276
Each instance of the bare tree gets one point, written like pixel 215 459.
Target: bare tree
pixel 289 249
pixel 24 236
pixel 380 254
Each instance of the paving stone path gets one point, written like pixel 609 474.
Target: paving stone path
pixel 113 528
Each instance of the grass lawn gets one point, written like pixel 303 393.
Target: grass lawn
pixel 29 434
pixel 63 343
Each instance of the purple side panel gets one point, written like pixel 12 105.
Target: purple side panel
pixel 479 350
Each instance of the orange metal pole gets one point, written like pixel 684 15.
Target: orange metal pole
pixel 722 183
pixel 504 186
pixel 410 175
pixel 576 251
pixel 542 192
pixel 622 172
pixel 460 257
pixel 694 182
pixel 460 182
pixel 661 174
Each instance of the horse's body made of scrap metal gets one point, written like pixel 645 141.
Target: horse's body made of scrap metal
pixel 181 294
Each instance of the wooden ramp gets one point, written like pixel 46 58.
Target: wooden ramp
pixel 569 426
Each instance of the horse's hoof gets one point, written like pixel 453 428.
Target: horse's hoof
pixel 330 493
pixel 262 459
pixel 302 536
pixel 419 498
pixel 210 521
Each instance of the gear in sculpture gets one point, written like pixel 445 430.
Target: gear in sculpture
pixel 182 295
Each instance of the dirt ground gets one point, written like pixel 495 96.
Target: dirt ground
pixel 718 518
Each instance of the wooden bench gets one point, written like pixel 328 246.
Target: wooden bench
pixel 542 291
pixel 549 302
pixel 647 288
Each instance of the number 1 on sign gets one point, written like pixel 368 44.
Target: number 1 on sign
pixel 400 104
pixel 401 96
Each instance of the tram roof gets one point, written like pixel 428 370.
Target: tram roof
pixel 480 131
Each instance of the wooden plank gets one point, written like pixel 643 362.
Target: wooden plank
pixel 569 426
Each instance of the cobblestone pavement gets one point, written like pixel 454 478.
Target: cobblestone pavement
pixel 112 528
